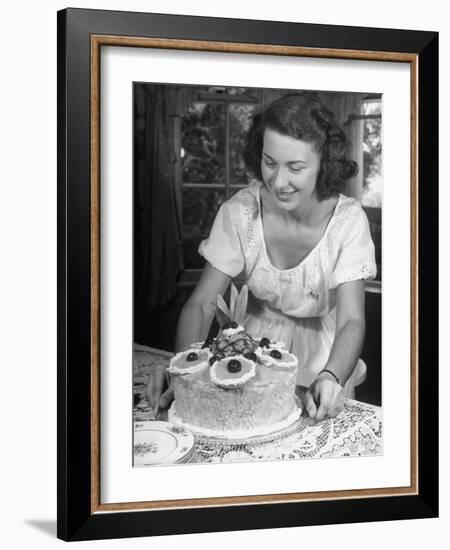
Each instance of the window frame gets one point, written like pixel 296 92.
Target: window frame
pixel 190 276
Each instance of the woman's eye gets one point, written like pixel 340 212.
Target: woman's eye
pixel 296 168
pixel 269 163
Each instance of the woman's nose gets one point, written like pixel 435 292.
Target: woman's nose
pixel 279 179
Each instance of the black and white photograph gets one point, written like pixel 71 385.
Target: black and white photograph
pixel 257 274
pixel 225 275
pixel 246 274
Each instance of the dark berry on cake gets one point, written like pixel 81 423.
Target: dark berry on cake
pixel 192 357
pixel 234 366
pixel 264 343
pixel 275 354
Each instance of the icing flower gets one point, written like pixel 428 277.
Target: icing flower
pixel 189 361
pixel 232 372
pixel 276 357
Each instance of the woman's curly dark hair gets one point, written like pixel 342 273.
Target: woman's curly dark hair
pixel 303 116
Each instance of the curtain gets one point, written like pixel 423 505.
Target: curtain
pixel 157 225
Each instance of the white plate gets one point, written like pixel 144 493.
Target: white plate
pixel 158 442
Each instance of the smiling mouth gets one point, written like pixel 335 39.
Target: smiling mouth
pixel 285 195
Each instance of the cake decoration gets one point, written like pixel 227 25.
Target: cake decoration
pixel 278 358
pixel 189 361
pixel 264 343
pixel 232 338
pixel 232 372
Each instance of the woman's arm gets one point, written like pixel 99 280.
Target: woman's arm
pixel 350 329
pixel 323 398
pixel 193 326
pixel 198 312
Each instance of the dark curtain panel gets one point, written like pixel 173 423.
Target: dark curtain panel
pixel 157 234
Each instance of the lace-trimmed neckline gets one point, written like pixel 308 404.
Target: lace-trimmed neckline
pixel 313 249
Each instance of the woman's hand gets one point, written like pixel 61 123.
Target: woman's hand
pixel 324 398
pixel 156 384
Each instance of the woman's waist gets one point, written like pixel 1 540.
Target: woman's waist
pixel 261 308
pixel 267 313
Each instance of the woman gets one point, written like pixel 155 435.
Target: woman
pixel 303 247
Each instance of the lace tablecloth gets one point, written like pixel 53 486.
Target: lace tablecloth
pixel 356 431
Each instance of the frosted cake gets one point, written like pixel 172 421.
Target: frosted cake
pixel 234 386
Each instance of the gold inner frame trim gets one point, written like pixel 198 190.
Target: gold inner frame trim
pixel 97 41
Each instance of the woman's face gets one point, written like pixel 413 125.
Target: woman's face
pixel 289 169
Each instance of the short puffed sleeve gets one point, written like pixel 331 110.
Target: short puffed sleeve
pixel 223 248
pixel 356 251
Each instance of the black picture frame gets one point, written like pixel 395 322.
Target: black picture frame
pixel 79 516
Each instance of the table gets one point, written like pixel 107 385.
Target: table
pixel 356 431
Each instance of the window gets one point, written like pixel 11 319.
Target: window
pixel 213 134
pixel 371 122
pixel 371 198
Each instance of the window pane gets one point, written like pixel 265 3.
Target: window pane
pixel 372 184
pixel 240 121
pixel 371 107
pixel 241 91
pixel 199 209
pixel 203 143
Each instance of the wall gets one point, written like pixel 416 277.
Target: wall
pixel 28 273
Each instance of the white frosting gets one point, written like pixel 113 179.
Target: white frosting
pixel 233 331
pixel 277 345
pixel 232 382
pixel 190 369
pixel 235 434
pixel 197 345
pixel 269 361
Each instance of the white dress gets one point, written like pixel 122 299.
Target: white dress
pixel 296 306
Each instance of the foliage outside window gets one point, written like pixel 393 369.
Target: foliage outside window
pixel 372 182
pixel 213 134
pixel 371 199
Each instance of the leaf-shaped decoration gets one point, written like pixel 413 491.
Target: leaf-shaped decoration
pixel 221 318
pixel 233 299
pixel 241 305
pixel 222 311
